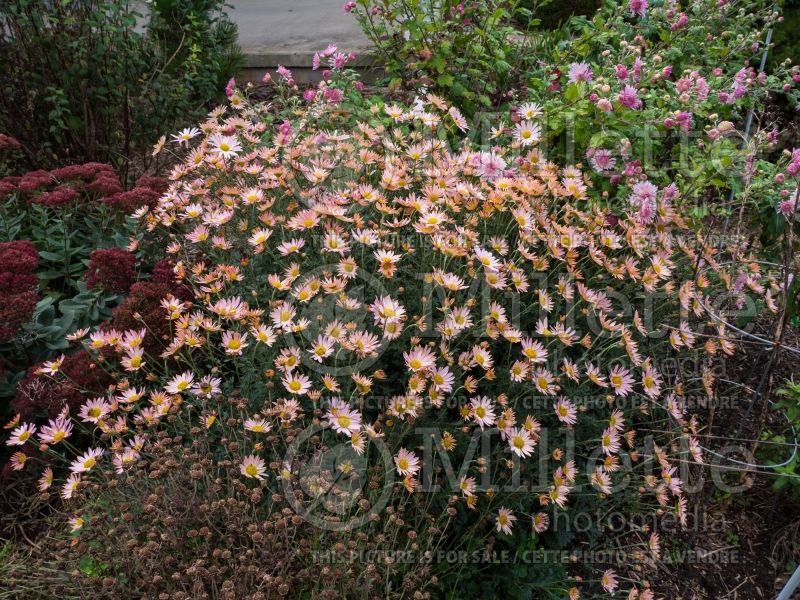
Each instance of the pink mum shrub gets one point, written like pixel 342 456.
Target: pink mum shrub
pixel 389 341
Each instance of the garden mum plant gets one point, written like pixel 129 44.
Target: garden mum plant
pixel 393 343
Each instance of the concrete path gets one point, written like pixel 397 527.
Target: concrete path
pixel 288 32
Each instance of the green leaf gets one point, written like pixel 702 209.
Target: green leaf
pixel 445 80
pixel 572 93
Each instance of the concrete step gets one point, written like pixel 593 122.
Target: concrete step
pixel 289 32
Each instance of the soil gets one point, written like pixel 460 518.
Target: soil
pixel 749 542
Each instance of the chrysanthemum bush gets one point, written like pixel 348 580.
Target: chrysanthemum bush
pixel 395 348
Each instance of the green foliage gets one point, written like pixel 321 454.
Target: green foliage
pixel 787 42
pixel 550 15
pixel 83 82
pixel 779 445
pixel 472 53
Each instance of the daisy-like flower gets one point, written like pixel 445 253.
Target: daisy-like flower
pixel 540 522
pixel 253 196
pixel 297 384
pixel 259 236
pixel 558 495
pixel 184 136
pixel 621 380
pixel 487 259
pixel 21 434
pixel 180 383
pixel 86 461
pixel 46 480
pixel 343 418
pixel 77 334
pixel 70 486
pixel 651 382
pixel 529 110
pixel 75 524
pixel 125 459
pixel 654 544
pixel 595 376
pixel 207 387
pixel 134 359
pixel 387 310
pixel 253 466
pixel 283 316
pixel 291 247
pixel 566 411
pixel 527 133
pixel 482 410
pixel 264 335
pixel 601 480
pixel 467 486
pixel 617 420
pixel 505 520
pixel 257 425
pixel 609 441
pixel 534 351
pixel 18 460
pixel 51 367
pixel 420 358
pixel 520 442
pixel 234 342
pixel 609 580
pixel 94 410
pixel 159 145
pixel 56 431
pixel 545 382
pixel 227 146
pixel 363 343
pixel 322 348
pixel 406 462
pixel 358 441
pixel 519 371
pixel 442 380
pixel 131 396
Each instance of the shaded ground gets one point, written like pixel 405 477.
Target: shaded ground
pixel 747 543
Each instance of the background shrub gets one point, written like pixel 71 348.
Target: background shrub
pixel 550 15
pixel 81 80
